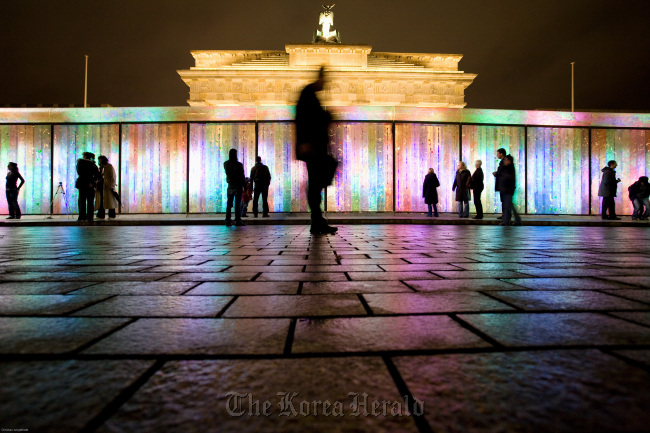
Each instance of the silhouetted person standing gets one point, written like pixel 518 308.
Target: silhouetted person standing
pixel 430 192
pixel 501 154
pixel 105 199
pixel 88 176
pixel 261 179
pixel 461 186
pixel 12 190
pixel 477 186
pixel 607 190
pixel 236 182
pixel 507 185
pixel 312 139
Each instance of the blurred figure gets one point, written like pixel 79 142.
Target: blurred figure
pixel 12 190
pixel 639 192
pixel 507 185
pixel 312 139
pixel 607 190
pixel 246 197
pixel 261 179
pixel 461 186
pixel 430 192
pixel 105 197
pixel 477 186
pixel 501 154
pixel 88 175
pixel 236 180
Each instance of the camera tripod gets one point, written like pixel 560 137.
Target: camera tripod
pixel 64 198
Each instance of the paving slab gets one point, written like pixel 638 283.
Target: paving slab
pixel 566 283
pixel 45 305
pixel 641 317
pixel 51 335
pixel 444 302
pixel 157 306
pixel 42 288
pixel 209 276
pixel 323 287
pixel 639 280
pixel 196 336
pixel 557 300
pixel 303 276
pixel 461 285
pixel 374 334
pixel 296 306
pixel 61 396
pixel 136 288
pixel 554 391
pixel 194 396
pixel 558 329
pixel 246 288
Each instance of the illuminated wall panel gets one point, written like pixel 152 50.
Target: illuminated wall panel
pixel 364 178
pixel 482 142
pixel 70 141
pixel 418 147
pixel 154 168
pixel 288 190
pixel 631 150
pixel 28 146
pixel 558 171
pixel 209 147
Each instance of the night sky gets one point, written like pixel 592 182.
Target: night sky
pixel 521 50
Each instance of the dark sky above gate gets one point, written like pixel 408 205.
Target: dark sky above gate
pixel 520 49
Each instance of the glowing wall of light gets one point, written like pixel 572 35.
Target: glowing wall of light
pixel 154 168
pixel 288 189
pixel 364 177
pixel 482 142
pixel 630 148
pixel 418 147
pixel 209 147
pixel 28 146
pixel 70 141
pixel 558 171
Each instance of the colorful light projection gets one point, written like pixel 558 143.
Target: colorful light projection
pixel 29 146
pixel 558 171
pixel 418 147
pixel 154 168
pixel 288 190
pixel 70 141
pixel 364 177
pixel 482 142
pixel 630 148
pixel 209 147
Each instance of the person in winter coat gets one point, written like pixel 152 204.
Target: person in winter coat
pixel 261 178
pixel 430 192
pixel 607 190
pixel 236 181
pixel 476 185
pixel 507 185
pixel 639 193
pixel 312 140
pixel 107 182
pixel 501 154
pixel 461 186
pixel 86 182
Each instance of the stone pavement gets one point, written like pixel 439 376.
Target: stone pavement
pixel 381 328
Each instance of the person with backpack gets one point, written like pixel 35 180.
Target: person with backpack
pixel 261 179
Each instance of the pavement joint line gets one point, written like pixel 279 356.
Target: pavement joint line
pixel 607 313
pixel 625 359
pixel 618 295
pixel 104 335
pixel 225 307
pixel 420 421
pixel 290 336
pixel 185 291
pixel 125 395
pixel 366 354
pixel 365 305
pixel 476 331
pixel 70 313
pixel 300 287
pixel 509 304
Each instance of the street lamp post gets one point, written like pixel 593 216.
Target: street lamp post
pixel 86 84
pixel 572 87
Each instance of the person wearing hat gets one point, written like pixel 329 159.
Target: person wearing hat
pixel 88 176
